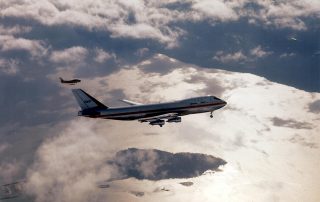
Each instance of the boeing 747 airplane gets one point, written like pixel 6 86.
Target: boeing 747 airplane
pixel 155 114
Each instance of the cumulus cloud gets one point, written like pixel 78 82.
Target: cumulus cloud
pixel 259 52
pixel 143 30
pixel 122 18
pixel 291 13
pixel 36 48
pixel 13 30
pixel 69 163
pixel 216 10
pixel 155 19
pixel 102 56
pixel 230 57
pixel 69 55
pixel 239 56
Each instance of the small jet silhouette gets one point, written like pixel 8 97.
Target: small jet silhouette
pixel 70 82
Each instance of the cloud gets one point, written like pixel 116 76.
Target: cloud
pixel 9 67
pixel 259 52
pixel 291 123
pixel 230 57
pixel 216 10
pixel 36 48
pixel 3 147
pixel 74 54
pixel 159 63
pixel 241 57
pixel 158 20
pixel 142 51
pixel 213 85
pixel 55 175
pixel 74 154
pixel 302 141
pixel 296 24
pixel 13 30
pixel 314 107
pixel 102 56
pixel 143 30
pixel 286 55
pixel 9 170
pixel 284 14
pixel 121 18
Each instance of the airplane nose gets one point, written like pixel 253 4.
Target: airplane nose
pixel 224 103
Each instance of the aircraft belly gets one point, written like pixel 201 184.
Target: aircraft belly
pixel 126 117
pixel 132 116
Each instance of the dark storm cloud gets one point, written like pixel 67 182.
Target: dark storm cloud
pixel 314 107
pixel 291 123
pixel 156 165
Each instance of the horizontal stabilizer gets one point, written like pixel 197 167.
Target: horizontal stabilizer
pixel 130 102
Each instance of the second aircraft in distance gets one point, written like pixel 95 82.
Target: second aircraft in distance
pixel 70 82
pixel 155 114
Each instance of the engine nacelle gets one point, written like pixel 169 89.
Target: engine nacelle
pixel 157 122
pixel 174 120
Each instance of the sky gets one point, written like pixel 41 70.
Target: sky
pixel 262 57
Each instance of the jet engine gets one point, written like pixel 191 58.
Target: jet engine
pixel 176 119
pixel 158 122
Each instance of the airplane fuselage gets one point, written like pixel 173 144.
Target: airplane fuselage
pixel 155 114
pixel 180 108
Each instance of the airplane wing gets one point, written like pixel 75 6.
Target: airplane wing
pixel 130 102
pixel 159 117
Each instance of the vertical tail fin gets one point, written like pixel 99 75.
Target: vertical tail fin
pixel 85 100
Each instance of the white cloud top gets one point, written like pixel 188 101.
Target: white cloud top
pixel 36 48
pixel 154 19
pixel 69 55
